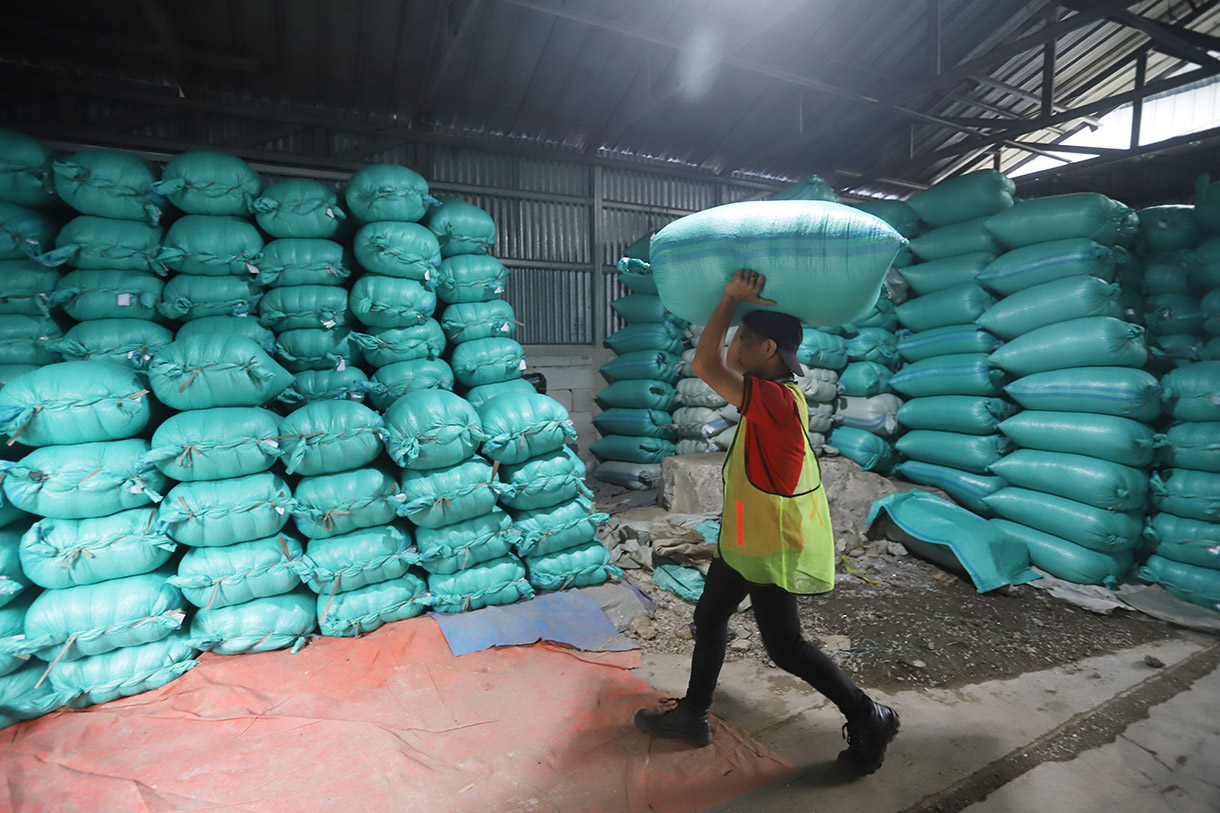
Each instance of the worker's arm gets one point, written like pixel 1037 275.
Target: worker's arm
pixel 709 363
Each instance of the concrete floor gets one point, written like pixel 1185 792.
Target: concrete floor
pixel 1108 733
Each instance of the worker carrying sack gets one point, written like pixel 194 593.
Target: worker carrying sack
pixel 519 427
pixel 431 429
pixel 83 480
pixel 387 192
pixel 298 208
pixel 499 581
pixel 74 402
pixel 222 512
pixel 107 183
pixel 203 182
pixel 460 227
pixel 824 262
pixel 207 371
pixel 62 553
pixel 332 504
pixel 543 481
pixel 352 560
pixel 301 261
pixel 235 574
pixel 210 246
pixel 262 625
pixel 330 436
pixel 396 249
pixel 213 444
pixel 355 612
pixel 466 278
pixel 439 497
pixel 467 543
pixel 580 566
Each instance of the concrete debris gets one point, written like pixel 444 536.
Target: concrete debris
pixel 692 483
pixel 835 643
pixel 740 644
pixel 1154 661
pixel 638 537
pixel 641 626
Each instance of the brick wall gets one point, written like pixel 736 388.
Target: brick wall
pixel 572 379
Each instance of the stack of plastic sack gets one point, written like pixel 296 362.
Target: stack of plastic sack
pixel 1077 486
pixel 542 486
pixel 107 623
pixel 1207 268
pixel 704 421
pixel 28 335
pixel 1181 285
pixel 305 270
pixel 637 426
pixel 357 559
pixel 463 541
pixel 1186 489
pixel 823 354
pixel 396 298
pixel 956 399
pixel 228 509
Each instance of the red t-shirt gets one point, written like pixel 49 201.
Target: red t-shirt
pixel 774 437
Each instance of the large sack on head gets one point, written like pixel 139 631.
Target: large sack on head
pixel 824 262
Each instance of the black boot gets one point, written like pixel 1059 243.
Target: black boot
pixel 678 723
pixel 868 733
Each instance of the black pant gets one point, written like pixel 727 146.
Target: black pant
pixel 780 625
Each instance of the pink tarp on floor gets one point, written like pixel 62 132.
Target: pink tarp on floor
pixel 391 721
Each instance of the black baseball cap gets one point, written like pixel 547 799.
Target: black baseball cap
pixel 782 329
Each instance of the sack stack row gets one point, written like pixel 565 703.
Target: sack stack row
pixel 637 426
pixel 704 420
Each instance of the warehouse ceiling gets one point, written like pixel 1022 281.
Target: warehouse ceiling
pixel 880 97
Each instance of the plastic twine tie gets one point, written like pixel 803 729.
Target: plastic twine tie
pixel 71 640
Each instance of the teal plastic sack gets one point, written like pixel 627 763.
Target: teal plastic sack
pixel 387 192
pixel 897 213
pixel 871 452
pixel 487 361
pixel 882 315
pixel 298 208
pixel 1189 541
pixel 639 394
pixel 580 566
pixel 332 504
pixel 542 481
pixel 127 342
pixel 500 581
pixel 1173 313
pixel 262 625
pixel 824 262
pixel 1094 528
pixel 12 624
pixel 212 246
pixel 1059 217
pixel 519 427
pixel 187 297
pixel 1198 585
pixel 951 340
pixel 1060 300
pixel 1170 272
pixel 25 170
pixel 639 308
pixel 27 287
pixel 1207 203
pixel 393 381
pixel 352 560
pixel 652 423
pixel 1121 391
pixel 636 276
pixel 664 336
pixel 247 326
pixel 952 306
pixel 61 553
pixel 862 379
pixel 1099 483
pixel 557 527
pixel 1109 437
pixel 84 480
pixel 966 489
pixel 333 349
pixel 972 453
pixel 465 544
pixel 477 396
pixel 302 261
pixel 966 237
pixel 471 321
pixel 460 227
pixel 13 581
pixel 107 183
pixel 1067 560
pixel 939 275
pixel 213 444
pixel 218 370
pixel 964 414
pixel 1097 341
pixel 203 182
pixel 635 476
pixel 1189 494
pixel 877 414
pixel 821 349
pixel 300 307
pixel 101 243
pixel 1167 228
pixel 222 512
pixel 355 612
pixel 431 429
pixel 1191 392
pixel 25 234
pixel 874 344
pixel 123 672
pixel 964 197
pixel 466 278
pixel 387 345
pixel 810 188
pixel 29 340
pixel 326 437
pixel 954 538
pixel 348 384
pixel 74 402
pixel 398 249
pixel 440 497
pixel 961 374
pixel 632 449
pixel 235 574
pixel 1194 446
pixel 27 695
pixel 91 619
pixel 1045 262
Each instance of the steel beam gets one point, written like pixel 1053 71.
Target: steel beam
pixel 1168 38
pixel 932 12
pixel 1048 79
pixel 25 30
pixel 1137 108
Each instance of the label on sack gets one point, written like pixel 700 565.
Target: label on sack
pixel 521 364
pixel 341 366
pixel 328 323
pixel 279 509
pixel 124 300
pixel 274 444
pixel 252 268
pixel 330 212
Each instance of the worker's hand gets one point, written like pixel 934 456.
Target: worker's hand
pixel 746 286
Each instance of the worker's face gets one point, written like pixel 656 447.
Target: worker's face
pixel 750 354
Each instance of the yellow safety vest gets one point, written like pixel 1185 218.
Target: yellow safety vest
pixel 778 539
